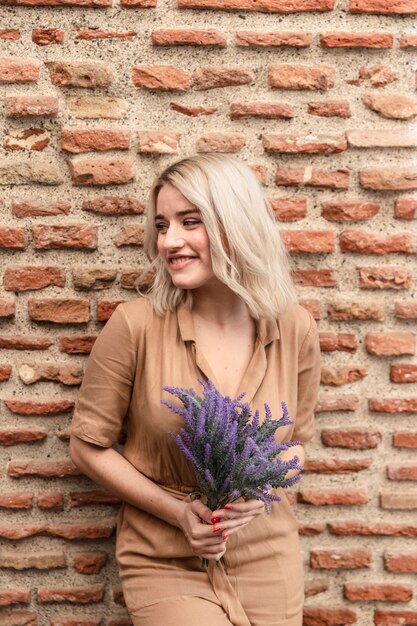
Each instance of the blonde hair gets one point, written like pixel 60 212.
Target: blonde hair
pixel 233 206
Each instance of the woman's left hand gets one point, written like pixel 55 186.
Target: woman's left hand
pixel 236 515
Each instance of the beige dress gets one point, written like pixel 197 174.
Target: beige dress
pixel 136 354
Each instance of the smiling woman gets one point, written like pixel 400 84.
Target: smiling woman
pixel 221 308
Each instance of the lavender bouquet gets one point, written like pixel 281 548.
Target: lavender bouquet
pixel 232 453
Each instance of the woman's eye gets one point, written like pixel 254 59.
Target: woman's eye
pixel 192 222
pixel 160 226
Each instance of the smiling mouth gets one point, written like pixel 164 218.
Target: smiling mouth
pixel 181 260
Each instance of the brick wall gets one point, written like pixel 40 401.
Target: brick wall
pixel 319 96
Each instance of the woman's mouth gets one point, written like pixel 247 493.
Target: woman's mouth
pixel 180 261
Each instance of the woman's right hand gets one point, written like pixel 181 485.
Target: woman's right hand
pixel 195 523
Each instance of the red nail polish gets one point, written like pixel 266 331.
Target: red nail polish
pixel 215 520
pixel 216 529
pixel 227 507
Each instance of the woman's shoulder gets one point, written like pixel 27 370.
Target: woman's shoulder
pixel 139 315
pixel 297 320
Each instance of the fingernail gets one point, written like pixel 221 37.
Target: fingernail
pixel 215 520
pixel 216 529
pixel 227 507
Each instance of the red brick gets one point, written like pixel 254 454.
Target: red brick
pixel 133 278
pixel 390 344
pixel 313 306
pixel 46 469
pixel 319 78
pixel 29 407
pixel 215 77
pixel 101 170
pixel 261 173
pixel 32 277
pixel 405 208
pixel 46 36
pixel 404 440
pixel 65 373
pixel 378 76
pixel 264 110
pixel 31 106
pixel 5 371
pixel 129 235
pixel 398 501
pixel 310 530
pixel 369 529
pixel 78 595
pixel 39 208
pixel 364 242
pixel 348 210
pixel 384 278
pixel 97 107
pixel 19 70
pixel 77 344
pixel 314 587
pixel 16 500
pixel 91 34
pixel 120 622
pixel 138 4
pixel 161 78
pixel 352 438
pixel 393 405
pixel 89 562
pixel 75 620
pixel 36 139
pixel 271 40
pixel 338 559
pixel 321 616
pixel 391 105
pixel 92 498
pixel 87 75
pixel 401 472
pixel 221 142
pixel 59 311
pixel 330 466
pixel 177 37
pixel 310 177
pixel 87 530
pixel 73 236
pixel 406 310
pixel 385 178
pixel 96 278
pixel 382 138
pixel 377 592
pixel 7 598
pixel 191 111
pixel 309 241
pixel 24 343
pixel 348 311
pixel 19 618
pixel 341 402
pixel 345 342
pixel 114 205
pixel 13 238
pixel 330 108
pixel 39 561
pixel 356 40
pixel 383 7
pixel 78 140
pixel 401 563
pixel 343 376
pixel 395 618
pixel 403 373
pixel 76 3
pixel 344 497
pixel 7 308
pixel 289 209
pixel 304 144
pixel 106 308
pixel 314 278
pixel 408 41
pixel 118 597
pixel 157 142
pixel 9 34
pixel 15 436
pixel 264 6
pixel 50 501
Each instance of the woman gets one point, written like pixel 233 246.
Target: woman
pixel 221 307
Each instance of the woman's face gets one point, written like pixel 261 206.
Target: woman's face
pixel 182 240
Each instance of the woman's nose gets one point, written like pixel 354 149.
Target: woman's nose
pixel 173 238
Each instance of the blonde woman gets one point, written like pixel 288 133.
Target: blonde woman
pixel 222 307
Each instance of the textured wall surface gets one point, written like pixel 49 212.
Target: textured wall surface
pixel 319 96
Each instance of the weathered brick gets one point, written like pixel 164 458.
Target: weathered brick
pixel 396 471
pixel 32 277
pixel 391 105
pixel 382 138
pixel 377 592
pixel 91 34
pixel 404 440
pixel 221 142
pixel 92 498
pixel 76 620
pixel 19 70
pixel 265 6
pixel 348 210
pixel 330 466
pixel 352 438
pixel 348 311
pixel 377 75
pixel 101 170
pixel 385 178
pixel 87 75
pixel 19 172
pixel 344 497
pixel 26 139
pixel 251 39
pixel 313 306
pixel 77 344
pixel 78 140
pixel 395 618
pixel 346 342
pixel 59 311
pixel 7 308
pixel 50 501
pixel 46 36
pixel 261 173
pixel 310 530
pixel 314 587
pixel 19 618
pixel 13 238
pixel 39 208
pixel 89 562
pixel 192 111
pixel 86 278
pixel 40 561
pixel 29 407
pixel 408 41
pixel 339 559
pixel 364 242
pixel 406 310
pixel 177 37
pixel 340 402
pixel 401 563
pixel 76 236
pixel 330 108
pixel 289 209
pixel 265 110
pixel 5 371
pixel 319 78
pixel 31 106
pixel 97 107
pixel 7 598
pixel 384 278
pixel 304 144
pixel 114 205
pixel 314 278
pixel 129 235
pixel 323 616
pixel 383 7
pixel 106 308
pixel 393 405
pixel 398 501
pixel 405 208
pixel 157 142
pixel 311 177
pixel 215 77
pixel 80 3
pixel 16 500
pixel 161 78
pixel 369 529
pixel 134 278
pixel 16 342
pixel 309 241
pixel 9 34
pixel 46 469
pixel 356 40
pixel 78 595
pixel 16 436
pixel 343 376
pixel 390 344
pixel 87 530
pixel 403 373
pixel 65 373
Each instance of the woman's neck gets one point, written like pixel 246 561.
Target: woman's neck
pixel 219 305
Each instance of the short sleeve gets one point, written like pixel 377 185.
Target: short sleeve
pixel 308 384
pixel 107 383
